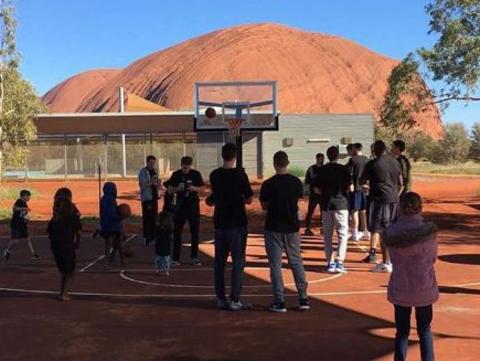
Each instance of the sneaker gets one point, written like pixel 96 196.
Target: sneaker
pixel 339 267
pixel 222 304
pixel 367 235
pixel 6 255
pixel 35 256
pixel 331 267
pixel 382 268
pixel 175 263
pixel 196 262
pixel 303 304
pixel 309 233
pixel 239 306
pixel 370 258
pixel 278 307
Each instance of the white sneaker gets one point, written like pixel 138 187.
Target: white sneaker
pixel 367 236
pixel 382 268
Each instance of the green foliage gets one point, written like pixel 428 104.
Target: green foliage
pixel 405 97
pixel 475 141
pixel 419 145
pixel 297 171
pixel 18 100
pixel 454 58
pixel 468 168
pixel 454 147
pixel 20 105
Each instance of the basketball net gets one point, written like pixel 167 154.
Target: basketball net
pixel 235 125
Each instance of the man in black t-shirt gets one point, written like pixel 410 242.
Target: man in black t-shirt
pixel 19 225
pixel 384 178
pixel 357 198
pixel 279 196
pixel 230 192
pixel 333 183
pixel 398 151
pixel 314 198
pixel 186 183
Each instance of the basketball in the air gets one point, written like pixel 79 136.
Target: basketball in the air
pixel 128 250
pixel 210 113
pixel 124 211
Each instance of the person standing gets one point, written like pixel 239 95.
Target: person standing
pixel 333 183
pixel 64 233
pixel 314 199
pixel 279 196
pixel 398 151
pixel 358 198
pixel 231 190
pixel 149 193
pixel 186 183
pixel 384 178
pixel 412 246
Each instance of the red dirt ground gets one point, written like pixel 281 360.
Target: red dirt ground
pixel 135 315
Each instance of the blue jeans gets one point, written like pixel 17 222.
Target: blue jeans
pixel 232 241
pixel 424 317
pixel 162 263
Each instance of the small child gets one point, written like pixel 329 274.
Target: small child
pixel 19 225
pixel 413 250
pixel 64 233
pixel 111 226
pixel 163 242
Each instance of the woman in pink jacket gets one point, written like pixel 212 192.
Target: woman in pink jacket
pixel 413 249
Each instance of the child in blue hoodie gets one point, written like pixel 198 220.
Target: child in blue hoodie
pixel 111 224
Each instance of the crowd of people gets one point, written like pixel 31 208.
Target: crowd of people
pixel 368 198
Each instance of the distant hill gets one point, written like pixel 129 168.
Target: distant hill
pixel 316 73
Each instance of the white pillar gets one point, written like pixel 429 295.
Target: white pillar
pixel 121 109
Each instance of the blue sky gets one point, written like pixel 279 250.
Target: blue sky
pixel 59 38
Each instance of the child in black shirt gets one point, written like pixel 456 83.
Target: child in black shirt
pixel 64 233
pixel 19 225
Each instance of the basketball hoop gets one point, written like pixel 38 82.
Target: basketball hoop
pixel 235 125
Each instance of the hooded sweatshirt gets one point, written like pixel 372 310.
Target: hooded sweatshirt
pixel 110 220
pixel 412 245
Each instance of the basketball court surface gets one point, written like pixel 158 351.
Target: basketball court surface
pixel 133 314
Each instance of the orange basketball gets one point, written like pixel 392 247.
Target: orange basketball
pixel 210 113
pixel 124 211
pixel 128 250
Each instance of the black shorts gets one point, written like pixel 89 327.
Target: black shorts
pixel 65 260
pixel 19 233
pixel 381 215
pixel 357 201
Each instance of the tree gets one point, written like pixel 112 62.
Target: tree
pixel 419 145
pixel 475 141
pixel 453 61
pixel 18 101
pixel 454 147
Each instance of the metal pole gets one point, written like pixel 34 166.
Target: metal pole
pixel 105 166
pixel 65 157
pixel 99 170
pixel 121 109
pixel 239 144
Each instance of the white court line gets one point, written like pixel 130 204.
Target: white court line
pixel 189 295
pixel 127 278
pixel 103 256
pixel 168 295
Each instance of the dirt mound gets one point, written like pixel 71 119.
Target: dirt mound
pixel 316 73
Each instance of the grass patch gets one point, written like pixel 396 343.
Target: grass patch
pixel 469 168
pixel 95 221
pixel 5 214
pixel 11 194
